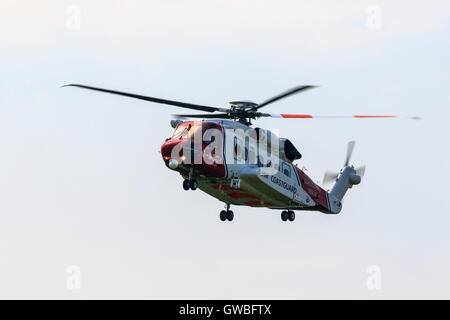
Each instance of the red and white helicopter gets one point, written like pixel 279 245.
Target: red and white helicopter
pixel 224 156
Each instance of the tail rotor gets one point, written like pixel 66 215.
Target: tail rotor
pixel 331 176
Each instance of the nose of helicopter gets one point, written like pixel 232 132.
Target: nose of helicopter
pixel 172 153
pixel 182 156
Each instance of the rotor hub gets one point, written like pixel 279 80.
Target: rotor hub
pixel 243 104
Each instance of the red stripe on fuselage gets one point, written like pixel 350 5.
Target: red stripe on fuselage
pixel 225 187
pixel 237 196
pixel 256 204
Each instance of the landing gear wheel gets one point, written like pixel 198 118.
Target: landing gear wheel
pixel 193 184
pixel 284 215
pixel 230 215
pixel 291 215
pixel 186 185
pixel 223 215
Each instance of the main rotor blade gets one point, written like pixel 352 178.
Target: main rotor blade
pixel 152 99
pixel 283 95
pixel 326 116
pixel 350 147
pixel 205 116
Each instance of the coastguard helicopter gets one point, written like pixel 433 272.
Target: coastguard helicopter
pixel 252 167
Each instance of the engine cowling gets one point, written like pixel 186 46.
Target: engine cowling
pixel 288 152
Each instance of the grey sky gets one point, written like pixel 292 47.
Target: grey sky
pixel 82 182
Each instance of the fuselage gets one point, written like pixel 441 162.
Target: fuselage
pixel 233 166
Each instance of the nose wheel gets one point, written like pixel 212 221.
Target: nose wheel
pixel 288 215
pixel 190 184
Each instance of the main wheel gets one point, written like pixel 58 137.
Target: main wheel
pixel 291 215
pixel 193 184
pixel 284 215
pixel 186 185
pixel 230 215
pixel 223 215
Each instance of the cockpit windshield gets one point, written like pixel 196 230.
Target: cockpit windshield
pixel 185 131
pixel 193 130
pixel 181 131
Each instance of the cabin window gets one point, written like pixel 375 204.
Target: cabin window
pixel 240 151
pixel 246 147
pixel 235 148
pixel 286 169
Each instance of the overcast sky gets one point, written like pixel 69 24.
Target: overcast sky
pixel 82 183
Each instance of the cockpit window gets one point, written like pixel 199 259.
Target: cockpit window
pixel 188 131
pixel 181 132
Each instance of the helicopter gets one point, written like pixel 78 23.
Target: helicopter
pixel 223 155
